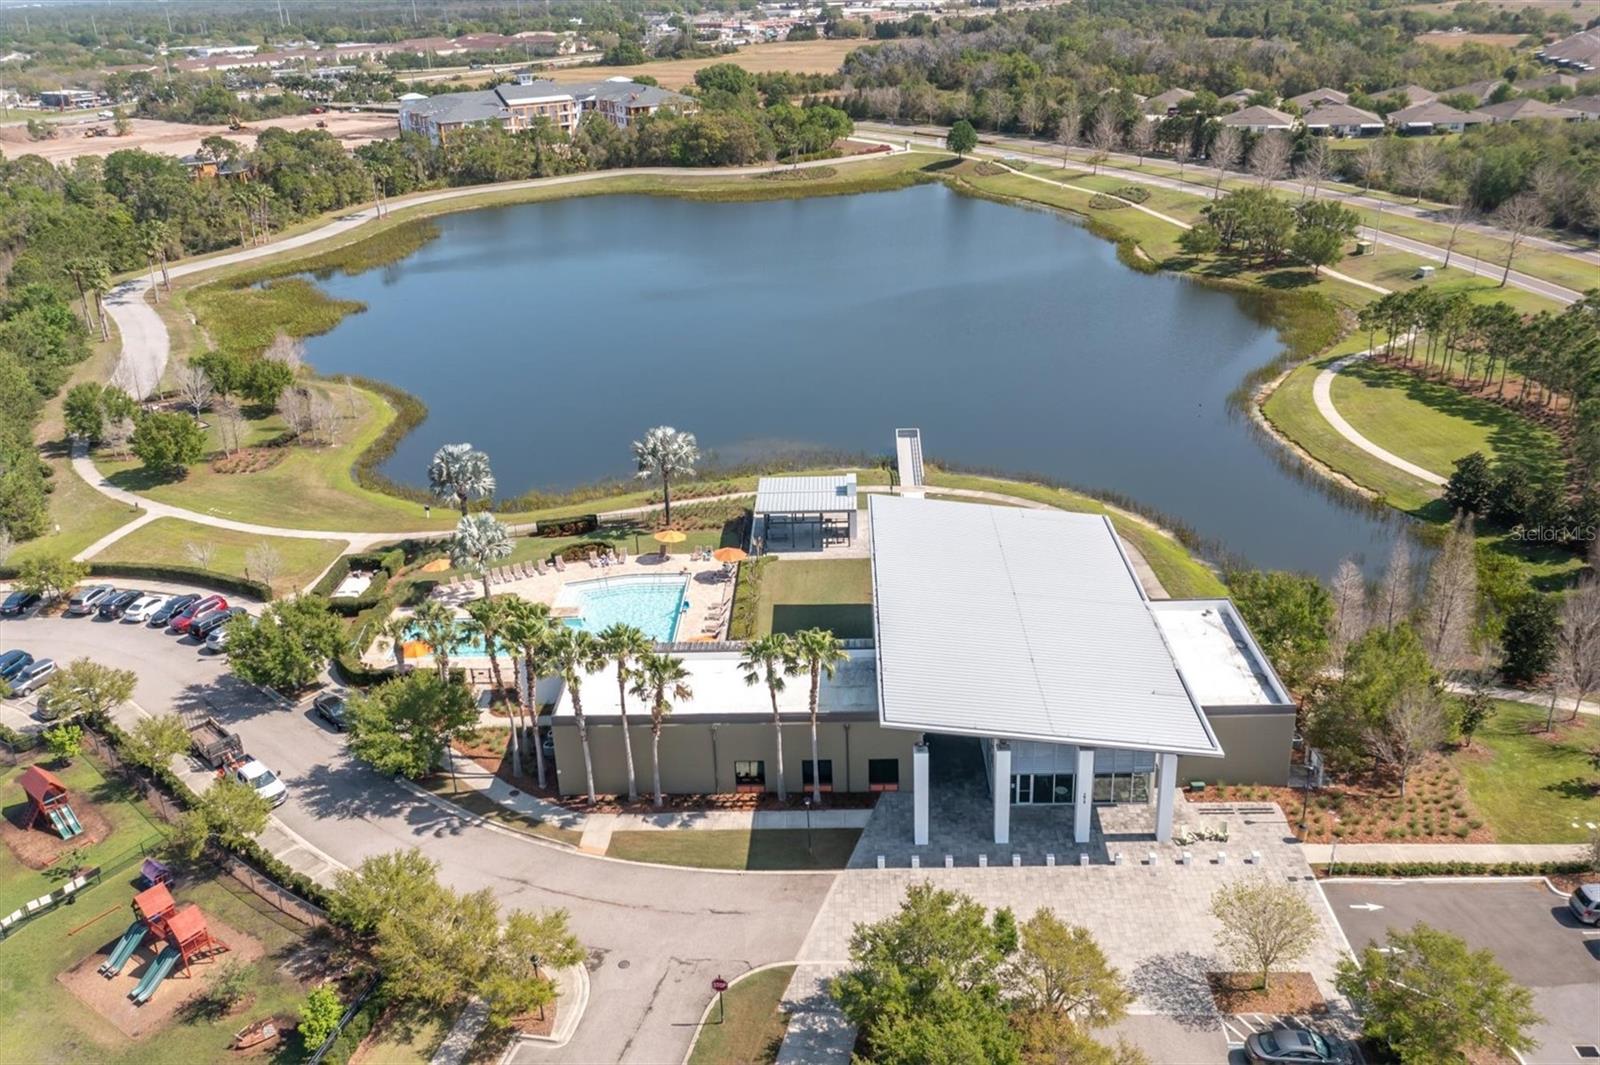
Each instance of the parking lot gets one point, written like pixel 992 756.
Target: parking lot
pixel 1527 927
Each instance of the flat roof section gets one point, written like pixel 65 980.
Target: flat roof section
pixel 720 692
pixel 1021 623
pixel 806 495
pixel 1217 654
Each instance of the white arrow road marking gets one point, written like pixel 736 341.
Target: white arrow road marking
pixel 1368 906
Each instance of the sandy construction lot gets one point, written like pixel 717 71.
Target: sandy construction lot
pixel 174 138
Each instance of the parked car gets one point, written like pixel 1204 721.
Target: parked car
pixel 33 676
pixel 330 706
pixel 212 622
pixel 188 615
pixel 1282 1045
pixel 259 777
pixel 143 607
pixel 117 603
pixel 18 603
pixel 163 614
pixel 215 632
pixel 13 662
pixel 86 600
pixel 1585 903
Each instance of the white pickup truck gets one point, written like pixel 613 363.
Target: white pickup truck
pixel 263 780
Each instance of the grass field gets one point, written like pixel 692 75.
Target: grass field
pixel 1427 422
pixel 716 848
pixel 795 594
pixel 82 514
pixel 749 1028
pixel 164 542
pixel 1529 785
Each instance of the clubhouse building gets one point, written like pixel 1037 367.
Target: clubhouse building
pixel 1022 637
pixel 517 105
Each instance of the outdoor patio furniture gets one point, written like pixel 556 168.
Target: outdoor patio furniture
pixel 622 556
pixel 561 566
pixel 593 558
pixel 538 566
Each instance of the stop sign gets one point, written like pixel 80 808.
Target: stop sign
pixel 719 985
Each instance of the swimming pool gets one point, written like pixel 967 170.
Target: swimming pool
pixel 650 602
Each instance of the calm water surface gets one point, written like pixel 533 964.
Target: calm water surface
pixel 552 334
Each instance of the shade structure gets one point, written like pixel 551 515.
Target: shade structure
pixel 670 536
pixel 729 554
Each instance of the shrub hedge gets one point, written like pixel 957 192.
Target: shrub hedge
pixel 1133 193
pixel 183 575
pixel 389 563
pixel 354 671
pixel 575 526
pixel 1454 868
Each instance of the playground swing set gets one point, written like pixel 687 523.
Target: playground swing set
pixel 183 935
pixel 47 800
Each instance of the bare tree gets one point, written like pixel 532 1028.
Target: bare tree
pixel 230 423
pixel 1269 157
pixel 1518 217
pixel 200 552
pixel 118 438
pixel 263 563
pixel 1450 601
pixel 1578 645
pixel 1068 129
pixel 287 350
pixel 1182 150
pixel 1414 728
pixel 1141 137
pixel 1419 167
pixel 294 408
pixel 1396 590
pixel 194 386
pixel 1314 167
pixel 1458 215
pixel 352 402
pixel 1104 136
pixel 322 418
pixel 1030 113
pixel 998 106
pixel 1555 189
pixel 1371 163
pixel 1226 148
pixel 1349 607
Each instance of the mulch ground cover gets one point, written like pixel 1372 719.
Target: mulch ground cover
pixel 1286 993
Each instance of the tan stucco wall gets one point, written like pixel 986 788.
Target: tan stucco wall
pixel 687 758
pixel 1256 745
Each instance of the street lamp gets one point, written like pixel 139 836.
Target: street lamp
pixel 808 827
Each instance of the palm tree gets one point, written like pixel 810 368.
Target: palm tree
pixel 79 270
pixel 526 630
pixel 154 236
pixel 486 620
pixel 660 679
pixel 97 279
pixel 574 653
pixel 817 652
pixel 765 661
pixel 625 645
pixel 480 541
pixel 439 628
pixel 460 472
pixel 665 453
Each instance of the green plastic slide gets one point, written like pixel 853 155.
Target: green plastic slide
pixel 124 949
pixel 158 972
pixel 71 819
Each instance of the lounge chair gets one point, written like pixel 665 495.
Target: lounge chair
pixel 538 567
pixel 622 557
pixel 524 571
pixel 560 564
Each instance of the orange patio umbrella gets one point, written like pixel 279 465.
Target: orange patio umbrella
pixel 729 554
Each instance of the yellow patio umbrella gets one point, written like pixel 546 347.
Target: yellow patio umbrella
pixel 729 554
pixel 669 536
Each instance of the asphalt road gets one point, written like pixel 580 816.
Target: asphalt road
pixel 1528 928
pixel 657 936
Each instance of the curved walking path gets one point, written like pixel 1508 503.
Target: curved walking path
pixel 1322 395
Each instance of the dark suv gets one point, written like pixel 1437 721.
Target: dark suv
pixel 187 616
pixel 117 603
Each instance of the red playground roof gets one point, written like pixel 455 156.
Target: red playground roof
pixel 41 784
pixel 187 924
pixel 154 902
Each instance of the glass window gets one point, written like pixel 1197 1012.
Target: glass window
pixel 827 773
pixel 1044 786
pixel 1021 788
pixel 1102 787
pixel 883 774
pixel 1121 787
pixel 1063 793
pixel 1141 787
pixel 750 776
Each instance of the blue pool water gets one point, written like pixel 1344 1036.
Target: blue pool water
pixel 651 603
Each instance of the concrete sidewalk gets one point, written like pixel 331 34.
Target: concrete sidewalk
pixel 1485 853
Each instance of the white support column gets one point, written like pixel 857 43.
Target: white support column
pixel 1000 780
pixel 1083 783
pixel 1166 792
pixel 919 795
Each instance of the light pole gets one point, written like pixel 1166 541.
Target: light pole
pixel 808 827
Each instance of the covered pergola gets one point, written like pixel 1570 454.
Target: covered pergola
pixel 1029 630
pixel 804 513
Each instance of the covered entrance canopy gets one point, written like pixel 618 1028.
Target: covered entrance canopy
pixel 1029 629
pixel 804 513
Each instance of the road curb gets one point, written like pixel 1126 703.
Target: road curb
pixel 735 982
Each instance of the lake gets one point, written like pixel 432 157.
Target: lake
pixel 552 334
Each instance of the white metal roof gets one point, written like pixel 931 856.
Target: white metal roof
pixel 1020 623
pixel 806 495
pixel 1218 656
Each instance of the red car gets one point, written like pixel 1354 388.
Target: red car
pixel 183 619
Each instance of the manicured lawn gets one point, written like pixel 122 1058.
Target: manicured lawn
pixel 83 514
pixel 751 1029
pixel 1426 422
pixel 796 594
pixel 163 542
pixel 483 806
pixel 408 1037
pixel 1529 785
pixel 767 848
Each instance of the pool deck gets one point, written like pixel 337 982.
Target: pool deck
pixel 707 595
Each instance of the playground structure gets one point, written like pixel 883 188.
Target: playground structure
pixel 183 934
pixel 47 797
